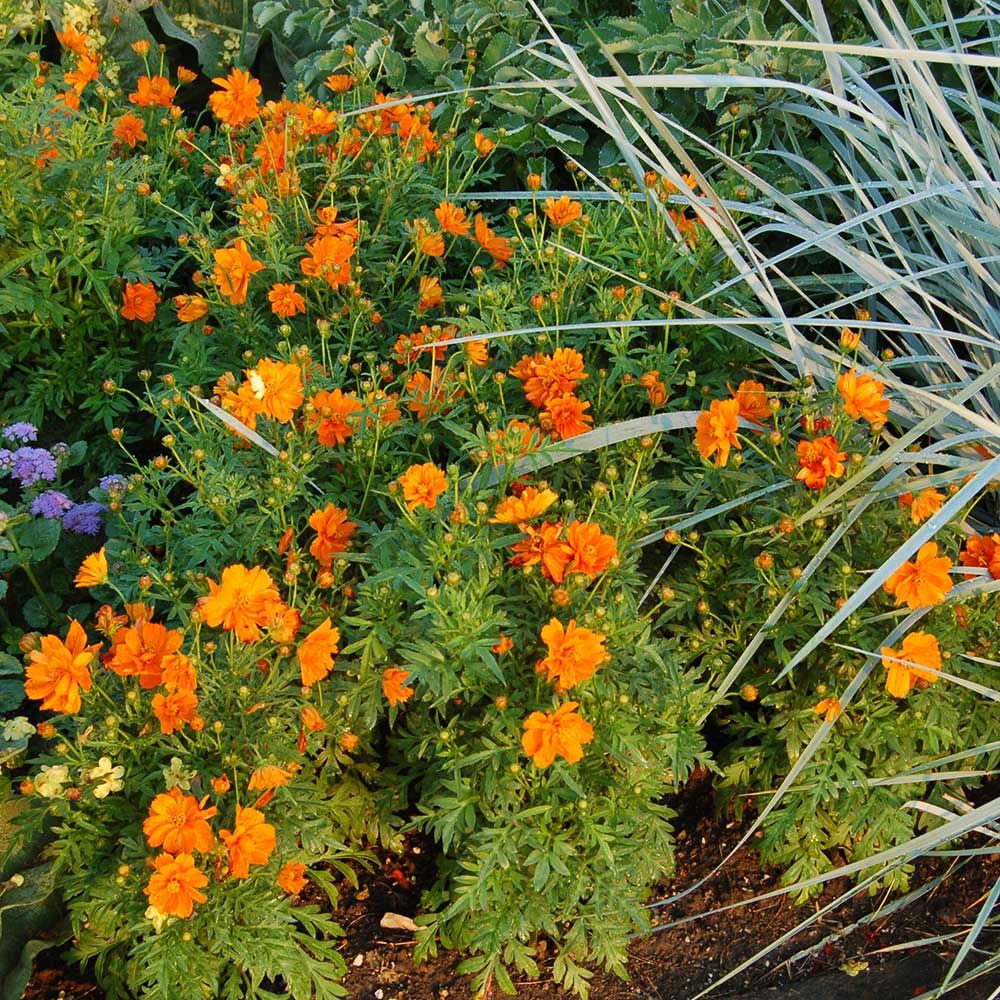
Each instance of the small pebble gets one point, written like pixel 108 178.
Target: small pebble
pixel 359 959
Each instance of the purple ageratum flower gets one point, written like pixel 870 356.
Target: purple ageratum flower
pixel 113 483
pixel 50 504
pixel 6 459
pixel 84 518
pixel 31 465
pixel 20 432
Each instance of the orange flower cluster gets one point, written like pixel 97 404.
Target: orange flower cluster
pixel 753 402
pixel 550 384
pixel 130 130
pixel 422 485
pixel 923 582
pixel 563 211
pixel 59 670
pixel 715 432
pixel 233 268
pixel 153 91
pixel 333 532
pixel 982 551
pixel 393 681
pixel 820 459
pixel 316 652
pixel 151 652
pixel 250 842
pixel 924 655
pixel 139 301
pixel 923 505
pixel 245 601
pixel 329 253
pixel 585 549
pixel 237 103
pixel 273 389
pixel 562 733
pixel 332 416
pixel 863 397
pixel 655 389
pixel 574 653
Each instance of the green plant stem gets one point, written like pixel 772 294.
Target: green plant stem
pixel 30 573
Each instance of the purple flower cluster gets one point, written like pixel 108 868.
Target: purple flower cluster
pixel 113 483
pixel 32 465
pixel 20 432
pixel 50 504
pixel 84 518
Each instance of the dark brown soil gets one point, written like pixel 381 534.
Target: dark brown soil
pixel 673 964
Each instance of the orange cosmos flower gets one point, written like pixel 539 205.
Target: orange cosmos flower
pixel 86 72
pixel 545 546
pixel 573 653
pixel 179 674
pixel 716 430
pixel 333 532
pixel 329 226
pixel 59 670
pixel 236 103
pixel 312 720
pixel 245 600
pixel 477 352
pixel 268 776
pixel 922 650
pixel 562 212
pixel 863 397
pixel 139 300
pixel 339 83
pixel 923 582
pixel 250 842
pixel 221 784
pixel 655 389
pixel 504 645
pixel 233 268
pixel 393 680
pixel 191 308
pixel 285 300
pixel 174 887
pixel 316 652
pixel 547 378
pixel 924 504
pixel 830 707
pixel 291 878
pixel 153 90
pixel 139 652
pixel 498 247
pixel 591 550
pixel 819 459
pixel 431 293
pixel 93 570
pixel 75 41
pixel 982 551
pixel 277 386
pixel 179 823
pixel 130 130
pixel 254 213
pixel 562 733
pixel 174 709
pixel 185 75
pixel 452 219
pixel 752 399
pixel 329 258
pixel 426 240
pixel 527 505
pixel 333 416
pixel 565 417
pixel 422 485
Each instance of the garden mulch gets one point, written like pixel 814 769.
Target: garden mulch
pixel 674 964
